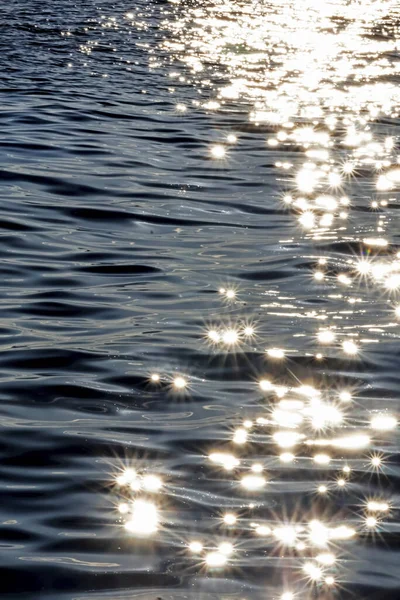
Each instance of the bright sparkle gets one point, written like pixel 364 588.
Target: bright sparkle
pixel 216 559
pixel 322 459
pixel 214 336
pixel 228 461
pixel 240 436
pixel 253 482
pixel 218 151
pixel 123 508
pixel 127 477
pixel 326 336
pixel 287 439
pixel 371 522
pixel 266 385
pixel 383 422
pixel 326 559
pixel 248 331
pixel 180 383
pixel 151 483
pixel 345 396
pixel 225 548
pixel 375 506
pixel 230 519
pixel 263 530
pixel 230 337
pixel 144 518
pixel 276 353
pixel 314 572
pixel 350 348
pixel 196 547
pixel 286 457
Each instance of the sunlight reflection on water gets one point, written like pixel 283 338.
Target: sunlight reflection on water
pixel 317 77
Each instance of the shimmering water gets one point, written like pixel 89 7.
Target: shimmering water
pixel 200 290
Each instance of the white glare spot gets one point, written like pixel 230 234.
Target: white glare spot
pixel 225 548
pixel 326 336
pixel 266 385
pixel 314 572
pixel 126 477
pixel 374 506
pixel 287 439
pixel 216 559
pixel 253 482
pixel 383 422
pixel 228 461
pixel 136 485
pixel 123 508
pixel 257 468
pixel 326 559
pixel 319 533
pixel 144 520
pixel 151 483
pixel 342 532
pixel 375 242
pixel 371 522
pixel 263 530
pixel 363 266
pixel 350 348
pixel 240 436
pixel 286 457
pixel 392 283
pixel 287 535
pixel 345 396
pixel 307 220
pixel 218 151
pixel 276 353
pixel 322 459
pixel 195 547
pixel 230 337
pixel 229 519
pixel 342 278
pixel 180 383
pixel 352 442
pixel 214 336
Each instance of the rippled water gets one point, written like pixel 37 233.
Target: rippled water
pixel 200 278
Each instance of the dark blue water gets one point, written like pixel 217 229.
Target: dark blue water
pixel 145 231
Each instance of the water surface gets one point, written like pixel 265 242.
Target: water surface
pixel 199 288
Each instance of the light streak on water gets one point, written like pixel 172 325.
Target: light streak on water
pixel 317 80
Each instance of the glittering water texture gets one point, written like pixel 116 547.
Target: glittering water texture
pixel 201 300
